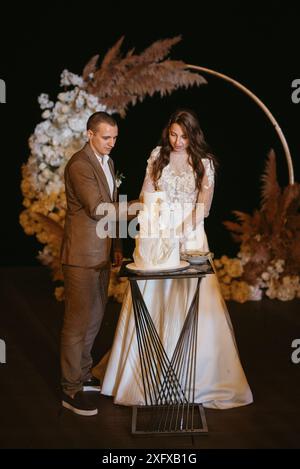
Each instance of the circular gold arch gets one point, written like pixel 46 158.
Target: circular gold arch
pixel 262 106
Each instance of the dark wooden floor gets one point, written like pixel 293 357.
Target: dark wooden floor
pixel 30 323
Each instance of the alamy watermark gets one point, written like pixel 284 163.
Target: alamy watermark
pixel 295 96
pixel 2 351
pixel 2 91
pixel 295 357
pixel 155 220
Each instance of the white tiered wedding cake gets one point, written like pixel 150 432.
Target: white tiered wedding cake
pixel 156 245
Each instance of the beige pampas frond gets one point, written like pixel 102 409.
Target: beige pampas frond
pixel 271 191
pixel 290 199
pixel 122 81
pixel 113 55
pixel 159 49
pixel 246 227
pixel 90 67
pixel 236 230
pixel 244 224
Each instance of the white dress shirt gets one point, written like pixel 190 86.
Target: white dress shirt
pixel 103 160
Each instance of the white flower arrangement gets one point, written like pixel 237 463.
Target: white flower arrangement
pixel 270 283
pixel 229 271
pixel 54 140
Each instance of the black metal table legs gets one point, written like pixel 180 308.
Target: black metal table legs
pixel 169 384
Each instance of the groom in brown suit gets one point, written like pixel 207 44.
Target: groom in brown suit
pixel 90 182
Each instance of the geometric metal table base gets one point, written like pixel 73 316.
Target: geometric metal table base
pixel 169 420
pixel 168 382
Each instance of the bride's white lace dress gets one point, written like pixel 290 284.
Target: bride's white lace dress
pixel 220 379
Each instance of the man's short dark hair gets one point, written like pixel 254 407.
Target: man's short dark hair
pixel 97 118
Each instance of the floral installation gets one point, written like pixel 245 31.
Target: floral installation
pixel 268 262
pixel 114 85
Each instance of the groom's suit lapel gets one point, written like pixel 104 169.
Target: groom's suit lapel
pixel 99 171
pixel 111 167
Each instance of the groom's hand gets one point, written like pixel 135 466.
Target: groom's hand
pixel 118 258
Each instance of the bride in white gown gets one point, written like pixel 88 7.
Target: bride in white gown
pixel 184 169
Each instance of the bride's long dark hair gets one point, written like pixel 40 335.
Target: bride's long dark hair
pixel 197 147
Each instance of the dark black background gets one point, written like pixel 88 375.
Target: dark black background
pixel 257 46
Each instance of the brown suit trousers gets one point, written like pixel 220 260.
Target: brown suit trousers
pixel 86 298
pixel 86 265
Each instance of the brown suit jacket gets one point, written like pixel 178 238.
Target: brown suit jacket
pixel 86 188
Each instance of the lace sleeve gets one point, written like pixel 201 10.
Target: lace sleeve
pixel 207 191
pixel 148 185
